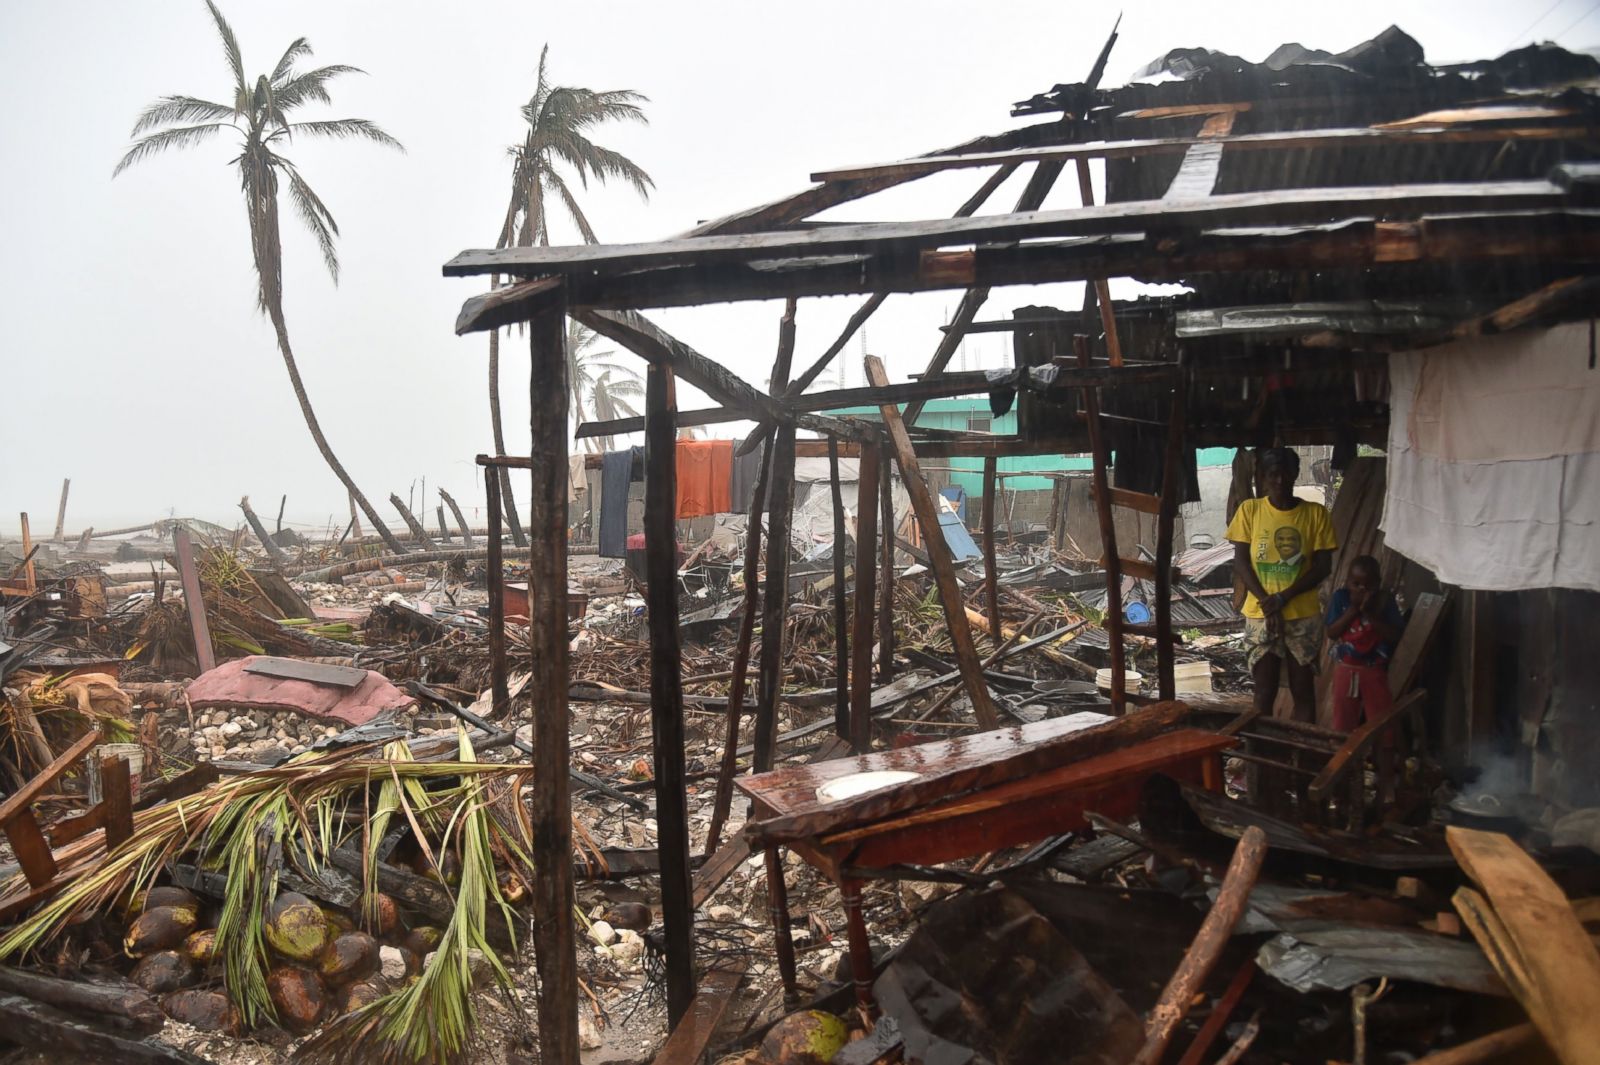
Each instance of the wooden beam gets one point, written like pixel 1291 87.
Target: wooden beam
pixel 499 677
pixel 691 1033
pixel 666 687
pixel 1353 753
pixel 1143 502
pixel 553 898
pixel 886 532
pixel 1108 534
pixel 775 603
pixel 27 555
pixel 944 573
pixel 860 732
pixel 723 798
pixel 1279 207
pixel 908 169
pixel 647 340
pixel 1173 485
pixel 1549 234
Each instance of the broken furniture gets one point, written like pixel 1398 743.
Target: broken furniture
pixel 971 817
pixel 34 849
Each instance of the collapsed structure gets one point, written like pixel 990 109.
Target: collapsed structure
pixel 1379 256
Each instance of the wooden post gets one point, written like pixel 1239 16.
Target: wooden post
pixel 27 553
pixel 553 933
pixel 666 685
pixel 886 571
pixel 1102 290
pixel 355 521
pixel 774 607
pixel 775 604
pixel 461 521
pixel 194 602
pixel 741 660
pixel 841 623
pixel 991 584
pixel 1108 535
pixel 418 533
pixel 499 681
pixel 1172 488
pixel 444 530
pixel 865 594
pixel 61 512
pixel 944 572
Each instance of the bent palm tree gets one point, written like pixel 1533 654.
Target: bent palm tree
pixel 599 388
pixel 559 119
pixel 260 114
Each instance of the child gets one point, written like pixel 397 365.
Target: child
pixel 1363 626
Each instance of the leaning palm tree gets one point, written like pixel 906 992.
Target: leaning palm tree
pixel 599 388
pixel 559 120
pixel 259 115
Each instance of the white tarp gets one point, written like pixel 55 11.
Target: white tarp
pixel 1494 460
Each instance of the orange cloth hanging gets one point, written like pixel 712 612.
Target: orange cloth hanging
pixel 705 477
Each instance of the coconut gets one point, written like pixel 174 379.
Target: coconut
pixel 361 993
pixel 162 928
pixel 422 940
pixel 156 897
pixel 297 996
pixel 387 911
pixel 296 928
pixel 634 915
pixel 811 1037
pixel 352 956
pixel 201 946
pixel 338 921
pixel 209 1011
pixel 164 971
pixel 512 887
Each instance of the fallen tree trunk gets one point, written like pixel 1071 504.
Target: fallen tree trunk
pixel 367 565
pixel 122 1005
pixel 30 1023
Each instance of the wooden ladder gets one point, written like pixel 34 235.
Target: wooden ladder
pixel 1165 509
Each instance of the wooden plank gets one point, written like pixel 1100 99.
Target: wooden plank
pixel 864 601
pixel 1143 502
pixel 27 555
pixel 886 576
pixel 551 808
pixel 1411 653
pixel 34 1024
pixel 691 1034
pixel 1277 140
pixel 1279 207
pixel 719 866
pixel 775 600
pixel 31 849
pixel 1494 1047
pixel 944 574
pixel 1556 967
pixel 499 674
pixel 314 672
pixel 666 686
pixel 194 600
pixel 116 787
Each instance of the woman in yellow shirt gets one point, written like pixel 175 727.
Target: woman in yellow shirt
pixel 1283 548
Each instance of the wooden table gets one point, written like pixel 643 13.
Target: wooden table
pixel 1011 814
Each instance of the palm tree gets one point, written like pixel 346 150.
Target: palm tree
pixel 598 387
pixel 259 114
pixel 559 119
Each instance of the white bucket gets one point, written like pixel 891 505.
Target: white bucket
pixel 131 753
pixel 1131 680
pixel 1191 677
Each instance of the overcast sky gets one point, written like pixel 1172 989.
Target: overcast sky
pixel 135 363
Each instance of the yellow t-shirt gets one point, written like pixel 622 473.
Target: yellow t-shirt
pixel 1281 544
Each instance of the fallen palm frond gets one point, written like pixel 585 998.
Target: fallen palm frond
pixel 247 826
pixel 432 1019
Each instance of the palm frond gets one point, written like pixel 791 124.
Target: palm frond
pixel 298 48
pixel 174 110
pixel 180 137
pixel 230 46
pixel 311 85
pixel 573 210
pixel 345 128
pixel 315 214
